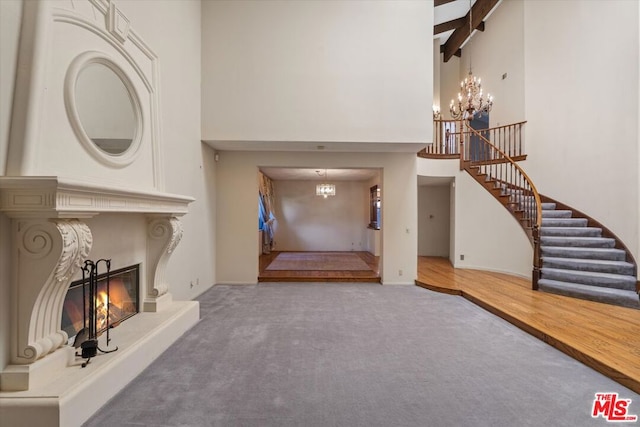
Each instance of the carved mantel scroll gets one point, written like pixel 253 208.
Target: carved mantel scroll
pixel 164 234
pixel 48 253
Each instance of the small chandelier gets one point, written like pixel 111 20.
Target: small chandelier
pixel 473 102
pixel 325 190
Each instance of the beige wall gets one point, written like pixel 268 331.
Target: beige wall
pixel 317 71
pixel 582 108
pixel 488 236
pixel 10 17
pixel 482 230
pixel 306 222
pixel 495 52
pixel 433 220
pixel 188 166
pixel 237 209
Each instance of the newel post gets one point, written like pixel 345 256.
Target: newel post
pixel 461 148
pixel 536 257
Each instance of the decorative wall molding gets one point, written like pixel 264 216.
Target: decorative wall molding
pixel 77 66
pixel 58 197
pixel 44 21
pixel 118 24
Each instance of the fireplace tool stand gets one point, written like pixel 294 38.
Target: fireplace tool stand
pixel 87 338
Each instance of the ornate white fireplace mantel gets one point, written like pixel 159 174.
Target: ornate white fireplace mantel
pixel 87 107
pixel 58 197
pixel 50 242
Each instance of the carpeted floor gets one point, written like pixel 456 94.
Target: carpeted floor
pixel 356 354
pixel 318 261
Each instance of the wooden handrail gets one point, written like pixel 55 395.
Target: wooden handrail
pixel 448 134
pixel 491 163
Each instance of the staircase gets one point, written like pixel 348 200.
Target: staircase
pixel 574 255
pixel 578 261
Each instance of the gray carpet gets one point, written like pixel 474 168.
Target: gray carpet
pixel 359 354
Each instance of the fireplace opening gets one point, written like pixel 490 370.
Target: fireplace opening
pixel 121 300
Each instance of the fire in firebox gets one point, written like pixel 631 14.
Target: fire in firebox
pixel 122 303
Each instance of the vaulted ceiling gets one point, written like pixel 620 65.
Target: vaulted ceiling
pixel 452 22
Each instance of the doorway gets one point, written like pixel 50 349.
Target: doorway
pixel 476 149
pixel 434 216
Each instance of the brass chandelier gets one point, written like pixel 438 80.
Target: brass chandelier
pixel 472 102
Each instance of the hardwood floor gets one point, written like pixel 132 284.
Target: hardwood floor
pixel 604 337
pixel 372 275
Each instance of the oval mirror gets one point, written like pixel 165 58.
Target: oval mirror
pixel 105 109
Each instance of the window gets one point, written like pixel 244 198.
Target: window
pixel 374 207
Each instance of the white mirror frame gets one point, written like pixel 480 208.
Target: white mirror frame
pixel 76 67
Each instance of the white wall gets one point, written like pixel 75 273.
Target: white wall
pixel 449 83
pixel 10 17
pixel 188 166
pixel 482 230
pixel 237 209
pixel 433 220
pixel 436 76
pixel 582 108
pixel 306 222
pixel 494 52
pixel 317 71
pixel 487 235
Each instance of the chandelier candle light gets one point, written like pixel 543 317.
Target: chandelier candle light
pixel 473 102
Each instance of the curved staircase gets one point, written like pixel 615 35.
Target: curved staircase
pixel 578 261
pixel 574 255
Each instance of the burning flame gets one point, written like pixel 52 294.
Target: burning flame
pixel 102 306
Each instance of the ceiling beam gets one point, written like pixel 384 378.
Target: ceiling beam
pixel 437 3
pixel 479 11
pixel 454 24
pixel 449 25
pixel 457 53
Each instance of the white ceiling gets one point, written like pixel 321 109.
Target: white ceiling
pixel 454 10
pixel 448 12
pixel 317 174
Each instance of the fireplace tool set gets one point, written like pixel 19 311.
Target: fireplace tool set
pixel 87 337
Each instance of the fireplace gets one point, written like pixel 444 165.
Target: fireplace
pixel 103 206
pixel 120 297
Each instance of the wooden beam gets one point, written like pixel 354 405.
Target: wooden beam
pixel 449 25
pixel 453 25
pixel 457 53
pixel 437 3
pixel 479 11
